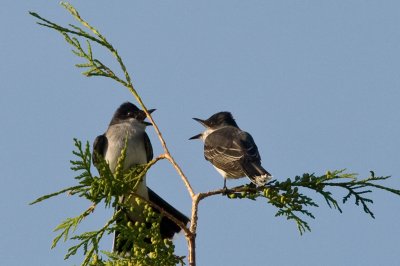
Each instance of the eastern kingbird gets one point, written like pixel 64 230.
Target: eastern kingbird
pixel 231 150
pixel 128 124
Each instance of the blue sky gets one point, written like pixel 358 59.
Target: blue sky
pixel 316 83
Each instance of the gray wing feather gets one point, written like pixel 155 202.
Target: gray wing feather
pixel 249 147
pixel 99 147
pixel 251 162
pixel 148 147
pixel 224 149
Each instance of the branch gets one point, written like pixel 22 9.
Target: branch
pixel 99 69
pixel 45 197
pixel 285 196
pixel 70 223
pixel 164 213
pixel 290 202
pixel 90 240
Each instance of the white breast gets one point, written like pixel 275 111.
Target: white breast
pixel 135 153
pixel 207 132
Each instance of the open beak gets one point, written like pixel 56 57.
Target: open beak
pixel 148 123
pixel 198 136
pixel 201 121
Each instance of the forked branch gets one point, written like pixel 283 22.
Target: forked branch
pixel 285 196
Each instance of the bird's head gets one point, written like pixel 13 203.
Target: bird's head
pixel 215 122
pixel 130 112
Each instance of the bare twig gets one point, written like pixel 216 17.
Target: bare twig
pixel 288 202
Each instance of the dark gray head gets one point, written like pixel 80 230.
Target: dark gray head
pixel 128 111
pixel 216 121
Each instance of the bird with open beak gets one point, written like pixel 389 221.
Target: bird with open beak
pixel 231 150
pixel 127 124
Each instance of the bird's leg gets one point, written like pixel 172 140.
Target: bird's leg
pixel 252 185
pixel 225 189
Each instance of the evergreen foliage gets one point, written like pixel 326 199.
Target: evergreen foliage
pixel 288 197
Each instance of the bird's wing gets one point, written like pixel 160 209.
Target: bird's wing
pixel 251 161
pixel 222 150
pixel 148 147
pixel 248 146
pixel 99 147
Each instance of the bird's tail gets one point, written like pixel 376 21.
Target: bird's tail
pixel 168 228
pixel 256 173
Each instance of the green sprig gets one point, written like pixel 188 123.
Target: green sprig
pixel 107 188
pixel 292 204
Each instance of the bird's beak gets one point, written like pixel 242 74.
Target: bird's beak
pixel 198 136
pixel 201 121
pixel 147 123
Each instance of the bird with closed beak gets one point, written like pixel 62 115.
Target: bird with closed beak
pixel 231 150
pixel 127 124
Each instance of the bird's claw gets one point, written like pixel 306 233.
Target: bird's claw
pixel 226 191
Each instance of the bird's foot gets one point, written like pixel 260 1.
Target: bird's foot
pixel 251 185
pixel 226 191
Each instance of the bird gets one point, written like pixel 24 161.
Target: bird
pixel 127 124
pixel 231 150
